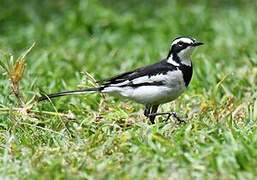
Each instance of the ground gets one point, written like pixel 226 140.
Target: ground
pixel 103 137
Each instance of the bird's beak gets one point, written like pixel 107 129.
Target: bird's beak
pixel 197 43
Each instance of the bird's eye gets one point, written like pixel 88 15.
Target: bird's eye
pixel 180 44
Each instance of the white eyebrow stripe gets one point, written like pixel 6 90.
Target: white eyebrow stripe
pixel 185 40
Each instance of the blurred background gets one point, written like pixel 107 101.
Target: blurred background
pixel 96 36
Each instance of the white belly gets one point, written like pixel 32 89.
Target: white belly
pixel 154 94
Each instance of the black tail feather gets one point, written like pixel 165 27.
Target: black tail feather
pixel 66 93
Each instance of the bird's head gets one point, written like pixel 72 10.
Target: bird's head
pixel 183 47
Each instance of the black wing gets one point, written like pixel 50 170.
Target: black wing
pixel 161 67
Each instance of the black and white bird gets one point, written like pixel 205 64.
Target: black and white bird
pixel 151 85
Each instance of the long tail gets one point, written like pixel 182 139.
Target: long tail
pixel 66 93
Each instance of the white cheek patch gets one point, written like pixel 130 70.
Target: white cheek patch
pixel 185 54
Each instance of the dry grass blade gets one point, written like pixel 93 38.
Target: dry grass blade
pixel 17 71
pixel 16 74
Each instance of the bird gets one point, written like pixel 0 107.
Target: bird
pixel 151 85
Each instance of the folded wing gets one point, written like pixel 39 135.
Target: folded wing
pixel 150 75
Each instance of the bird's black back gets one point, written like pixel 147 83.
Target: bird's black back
pixel 161 67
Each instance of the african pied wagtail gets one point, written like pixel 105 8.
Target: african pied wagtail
pixel 151 85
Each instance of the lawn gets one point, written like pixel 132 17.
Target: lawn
pixel 97 136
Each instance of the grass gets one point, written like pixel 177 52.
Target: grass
pixel 103 137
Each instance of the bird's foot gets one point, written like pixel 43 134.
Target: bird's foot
pixel 175 116
pixel 169 114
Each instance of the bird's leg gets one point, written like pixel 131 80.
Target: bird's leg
pixel 150 112
pixel 147 111
pixel 173 114
pixel 153 113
